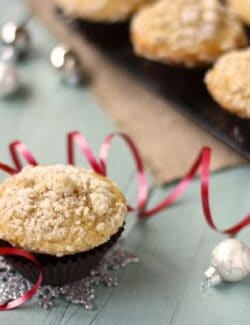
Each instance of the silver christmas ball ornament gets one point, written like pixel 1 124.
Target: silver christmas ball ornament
pixel 66 61
pixel 9 79
pixel 16 36
pixel 229 261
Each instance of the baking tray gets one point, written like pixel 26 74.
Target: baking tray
pixel 182 86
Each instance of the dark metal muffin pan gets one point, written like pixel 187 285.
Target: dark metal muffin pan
pixel 182 86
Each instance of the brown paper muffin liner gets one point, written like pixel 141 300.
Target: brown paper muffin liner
pixel 59 271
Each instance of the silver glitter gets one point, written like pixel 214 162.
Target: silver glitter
pixel 13 285
pixel 47 295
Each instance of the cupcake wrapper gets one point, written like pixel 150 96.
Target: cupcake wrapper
pixel 59 271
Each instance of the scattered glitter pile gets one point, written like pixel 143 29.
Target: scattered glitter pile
pixel 13 285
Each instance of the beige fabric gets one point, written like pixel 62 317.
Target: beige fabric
pixel 168 141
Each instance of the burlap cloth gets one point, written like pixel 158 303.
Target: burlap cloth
pixel 167 140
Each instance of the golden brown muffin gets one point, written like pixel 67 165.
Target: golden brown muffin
pixel 242 9
pixel 229 82
pixel 187 32
pixel 59 210
pixel 101 10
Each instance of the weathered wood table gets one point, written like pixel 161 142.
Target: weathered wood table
pixel 174 246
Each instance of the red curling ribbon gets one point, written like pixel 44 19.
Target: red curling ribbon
pixel 99 165
pixel 31 292
pixel 205 163
pixel 7 169
pixel 17 147
pixel 85 149
pixel 178 190
pixel 202 162
pixel 142 195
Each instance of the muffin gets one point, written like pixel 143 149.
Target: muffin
pixel 101 10
pixel 186 32
pixel 229 82
pixel 241 8
pixel 67 216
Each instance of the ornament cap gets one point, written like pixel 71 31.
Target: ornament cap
pixel 212 278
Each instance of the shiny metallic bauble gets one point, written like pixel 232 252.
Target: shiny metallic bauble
pixel 9 79
pixel 17 37
pixel 66 61
pixel 231 259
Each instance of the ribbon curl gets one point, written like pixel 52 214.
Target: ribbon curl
pixel 31 292
pixel 99 165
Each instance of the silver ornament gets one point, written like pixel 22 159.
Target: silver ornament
pixel 229 261
pixel 67 63
pixel 9 79
pixel 16 37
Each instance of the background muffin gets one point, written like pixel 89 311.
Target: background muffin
pixel 187 32
pixel 229 82
pixel 101 10
pixel 61 211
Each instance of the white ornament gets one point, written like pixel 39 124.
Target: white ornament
pixel 16 36
pixel 9 79
pixel 67 62
pixel 229 261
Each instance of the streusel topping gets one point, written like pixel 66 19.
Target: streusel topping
pixel 59 209
pixel 241 8
pixel 189 32
pixel 229 82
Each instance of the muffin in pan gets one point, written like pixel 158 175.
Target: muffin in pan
pixel 186 32
pixel 67 216
pixel 241 8
pixel 229 82
pixel 101 10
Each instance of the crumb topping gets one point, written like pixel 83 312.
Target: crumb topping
pixel 241 8
pixel 59 209
pixel 188 31
pixel 229 82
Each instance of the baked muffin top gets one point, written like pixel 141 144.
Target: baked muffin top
pixel 59 210
pixel 187 32
pixel 101 10
pixel 229 82
pixel 241 8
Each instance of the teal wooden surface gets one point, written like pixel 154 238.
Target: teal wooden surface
pixel 174 246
